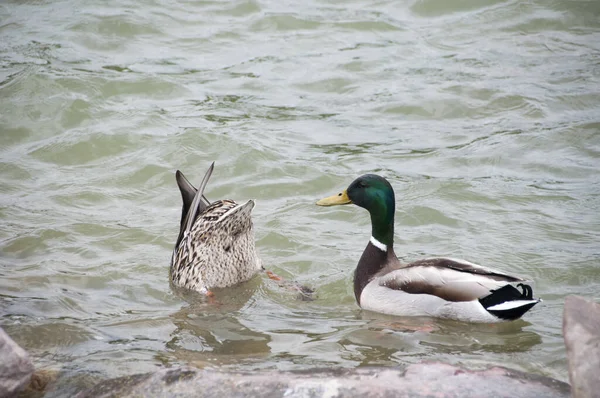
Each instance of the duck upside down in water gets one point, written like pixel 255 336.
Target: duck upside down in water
pixel 216 245
pixel 437 287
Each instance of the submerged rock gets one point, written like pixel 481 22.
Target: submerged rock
pixel 421 380
pixel 581 330
pixel 15 366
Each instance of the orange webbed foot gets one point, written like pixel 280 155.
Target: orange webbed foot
pixel 271 275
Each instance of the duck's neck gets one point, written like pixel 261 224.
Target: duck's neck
pixel 371 262
pixel 380 247
pixel 382 210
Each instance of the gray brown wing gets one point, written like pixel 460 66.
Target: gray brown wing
pixel 466 267
pixel 216 228
pixel 448 279
pixel 203 227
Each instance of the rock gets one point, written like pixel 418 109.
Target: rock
pixel 39 383
pixel 581 330
pixel 15 367
pixel 67 382
pixel 420 380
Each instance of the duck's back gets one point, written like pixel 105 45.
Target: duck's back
pixel 219 250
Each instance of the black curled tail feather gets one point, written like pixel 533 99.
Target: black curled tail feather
pixel 527 291
pixel 505 295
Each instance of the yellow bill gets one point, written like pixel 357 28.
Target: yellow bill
pixel 339 199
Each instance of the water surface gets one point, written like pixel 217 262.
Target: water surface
pixel 484 115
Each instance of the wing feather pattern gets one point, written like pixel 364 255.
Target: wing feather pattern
pixel 450 279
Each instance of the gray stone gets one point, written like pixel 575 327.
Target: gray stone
pixel 581 330
pixel 15 367
pixel 420 380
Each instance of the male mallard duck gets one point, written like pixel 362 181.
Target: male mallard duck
pixel 215 247
pixel 437 287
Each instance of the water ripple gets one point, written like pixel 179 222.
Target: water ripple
pixel 482 114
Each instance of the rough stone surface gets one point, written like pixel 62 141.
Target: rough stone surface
pixel 15 366
pixel 421 380
pixel 581 330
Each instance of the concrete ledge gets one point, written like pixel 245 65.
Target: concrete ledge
pixel 420 380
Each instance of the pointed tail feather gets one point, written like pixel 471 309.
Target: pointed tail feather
pixel 188 192
pixel 199 202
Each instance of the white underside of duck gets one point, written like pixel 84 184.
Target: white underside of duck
pixel 378 298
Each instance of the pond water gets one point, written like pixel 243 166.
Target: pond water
pixel 484 115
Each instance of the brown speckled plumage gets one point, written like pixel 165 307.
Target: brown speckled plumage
pixel 218 249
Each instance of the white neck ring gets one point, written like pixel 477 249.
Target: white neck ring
pixel 378 244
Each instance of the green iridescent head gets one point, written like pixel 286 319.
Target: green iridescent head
pixel 374 193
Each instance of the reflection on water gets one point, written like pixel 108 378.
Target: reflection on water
pixel 208 333
pixel 211 332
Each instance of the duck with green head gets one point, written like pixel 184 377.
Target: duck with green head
pixel 438 287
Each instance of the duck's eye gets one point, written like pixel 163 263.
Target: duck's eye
pixel 362 185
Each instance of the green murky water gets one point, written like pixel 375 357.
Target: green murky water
pixel 485 116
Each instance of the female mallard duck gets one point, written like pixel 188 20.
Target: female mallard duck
pixel 215 247
pixel 438 287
